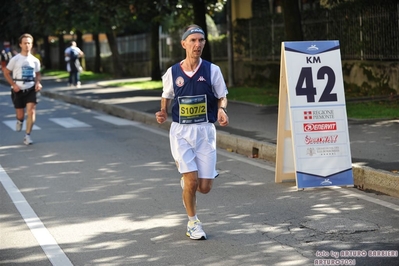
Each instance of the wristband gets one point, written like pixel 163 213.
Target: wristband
pixel 224 109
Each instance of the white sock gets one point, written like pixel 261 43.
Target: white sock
pixel 192 218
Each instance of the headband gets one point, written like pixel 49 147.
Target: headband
pixel 192 31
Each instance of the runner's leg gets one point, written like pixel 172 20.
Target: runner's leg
pixel 31 116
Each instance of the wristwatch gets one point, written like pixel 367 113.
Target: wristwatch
pixel 224 109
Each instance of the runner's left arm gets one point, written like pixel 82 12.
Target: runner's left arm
pixel 38 78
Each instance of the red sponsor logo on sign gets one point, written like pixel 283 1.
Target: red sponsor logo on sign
pixel 326 126
pixel 307 115
pixel 318 114
pixel 321 140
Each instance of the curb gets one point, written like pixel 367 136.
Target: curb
pixel 365 178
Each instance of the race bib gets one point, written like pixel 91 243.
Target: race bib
pixel 28 73
pixel 192 109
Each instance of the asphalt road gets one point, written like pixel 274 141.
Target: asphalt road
pixel 374 143
pixel 98 190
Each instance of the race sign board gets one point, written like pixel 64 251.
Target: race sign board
pixel 312 139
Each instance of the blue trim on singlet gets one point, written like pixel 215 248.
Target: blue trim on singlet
pixel 199 84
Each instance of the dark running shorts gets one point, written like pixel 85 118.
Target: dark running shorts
pixel 21 98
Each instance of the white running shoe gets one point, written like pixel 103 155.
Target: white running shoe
pixel 18 126
pixel 27 140
pixel 194 230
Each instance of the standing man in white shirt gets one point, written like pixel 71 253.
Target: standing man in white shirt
pixel 72 55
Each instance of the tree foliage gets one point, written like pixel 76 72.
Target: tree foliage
pixel 153 13
pixel 182 12
pixel 43 18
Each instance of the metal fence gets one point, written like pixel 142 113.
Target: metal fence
pixel 134 47
pixel 365 32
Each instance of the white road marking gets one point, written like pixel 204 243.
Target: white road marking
pixel 50 247
pixel 69 122
pixel 11 124
pixel 116 120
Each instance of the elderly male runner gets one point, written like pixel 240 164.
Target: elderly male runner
pixel 198 91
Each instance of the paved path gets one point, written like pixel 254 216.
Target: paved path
pixel 374 143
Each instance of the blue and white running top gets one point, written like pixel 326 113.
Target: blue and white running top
pixel 196 96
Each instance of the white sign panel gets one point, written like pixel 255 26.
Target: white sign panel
pixel 317 112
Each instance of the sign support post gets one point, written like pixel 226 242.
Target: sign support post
pixel 285 169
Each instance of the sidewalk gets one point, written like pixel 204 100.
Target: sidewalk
pixel 252 130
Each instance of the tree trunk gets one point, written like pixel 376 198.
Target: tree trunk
pixel 230 52
pixel 154 53
pixel 79 43
pixel 97 56
pixel 292 20
pixel 46 57
pixel 199 8
pixel 79 39
pixel 117 67
pixel 61 53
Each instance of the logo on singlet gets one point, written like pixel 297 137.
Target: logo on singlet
pixel 179 81
pixel 201 78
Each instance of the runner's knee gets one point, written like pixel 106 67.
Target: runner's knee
pixel 204 186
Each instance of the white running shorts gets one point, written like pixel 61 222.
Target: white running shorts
pixel 194 148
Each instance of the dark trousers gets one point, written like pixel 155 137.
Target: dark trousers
pixel 73 77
